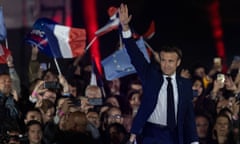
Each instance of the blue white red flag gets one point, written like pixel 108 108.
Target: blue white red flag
pixel 3 32
pixel 65 42
pixel 37 36
pixel 118 64
pixel 112 24
pixel 150 32
pixel 57 41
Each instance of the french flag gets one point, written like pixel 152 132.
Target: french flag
pixel 112 24
pixel 4 53
pixel 64 41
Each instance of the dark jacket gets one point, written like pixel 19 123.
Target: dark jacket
pixel 152 80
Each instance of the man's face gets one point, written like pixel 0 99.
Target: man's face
pixel 115 115
pixel 93 92
pixel 200 72
pixel 5 84
pixel 49 77
pixel 221 126
pixel 35 133
pixel 202 126
pixel 169 61
pixel 93 117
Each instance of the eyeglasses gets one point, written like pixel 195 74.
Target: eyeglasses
pixel 118 116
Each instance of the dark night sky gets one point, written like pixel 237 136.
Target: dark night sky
pixel 181 22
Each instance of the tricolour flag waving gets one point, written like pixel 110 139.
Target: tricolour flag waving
pixel 57 41
pixel 4 53
pixel 118 64
pixel 112 24
pixel 65 42
pixel 3 32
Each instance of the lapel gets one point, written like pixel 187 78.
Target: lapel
pixel 180 96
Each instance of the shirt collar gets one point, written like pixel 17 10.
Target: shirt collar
pixel 173 76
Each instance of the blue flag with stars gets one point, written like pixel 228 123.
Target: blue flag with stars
pixel 118 64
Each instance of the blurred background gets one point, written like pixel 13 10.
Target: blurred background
pixel 203 29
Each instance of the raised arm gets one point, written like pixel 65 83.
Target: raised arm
pixel 124 17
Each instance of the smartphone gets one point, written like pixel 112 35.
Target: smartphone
pixel 75 101
pixel 221 77
pixel 217 61
pixel 51 85
pixel 95 101
pixel 43 66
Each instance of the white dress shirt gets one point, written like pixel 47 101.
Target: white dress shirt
pixel 159 115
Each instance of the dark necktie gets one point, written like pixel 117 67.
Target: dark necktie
pixel 171 122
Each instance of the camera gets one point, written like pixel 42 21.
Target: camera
pixel 51 85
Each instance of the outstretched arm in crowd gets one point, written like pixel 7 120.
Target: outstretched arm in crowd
pixel 14 77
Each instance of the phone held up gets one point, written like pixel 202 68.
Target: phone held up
pixel 221 77
pixel 52 85
pixel 95 101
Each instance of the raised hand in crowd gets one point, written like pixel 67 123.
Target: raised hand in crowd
pixel 64 83
pixel 14 75
pixel 37 91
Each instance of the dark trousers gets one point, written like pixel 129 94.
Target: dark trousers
pixel 157 134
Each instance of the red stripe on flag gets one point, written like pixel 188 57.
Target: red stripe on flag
pixel 150 32
pixel 4 54
pixel 77 41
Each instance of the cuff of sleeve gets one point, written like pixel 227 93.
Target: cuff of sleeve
pixel 126 34
pixel 11 70
pixel 32 99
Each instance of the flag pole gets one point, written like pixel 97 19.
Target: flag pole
pixel 88 46
pixel 153 51
pixel 148 46
pixel 58 69
pixel 6 43
pixel 120 42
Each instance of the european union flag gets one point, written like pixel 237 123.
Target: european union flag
pixel 118 64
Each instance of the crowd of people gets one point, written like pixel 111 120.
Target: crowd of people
pixel 68 109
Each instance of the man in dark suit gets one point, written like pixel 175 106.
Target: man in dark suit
pixel 154 120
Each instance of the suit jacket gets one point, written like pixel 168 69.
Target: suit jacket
pixel 152 80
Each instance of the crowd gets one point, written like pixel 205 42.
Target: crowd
pixel 68 109
pixel 59 111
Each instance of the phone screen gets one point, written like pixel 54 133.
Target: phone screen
pixel 95 101
pixel 221 78
pixel 51 85
pixel 217 61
